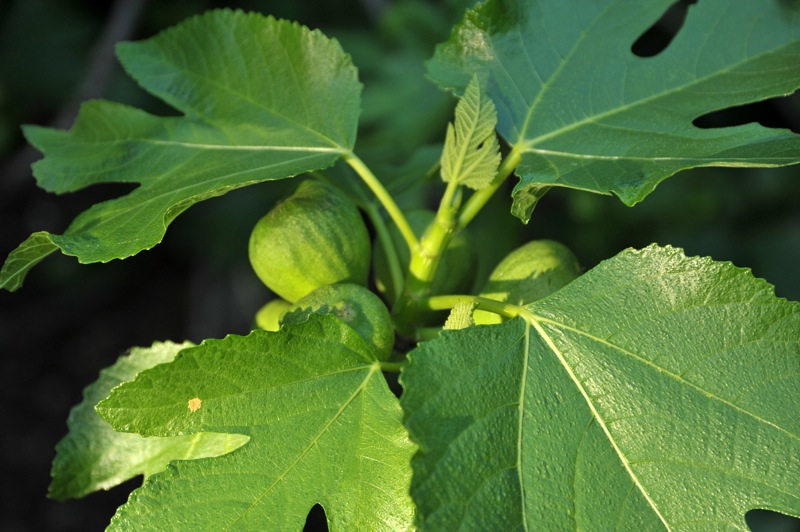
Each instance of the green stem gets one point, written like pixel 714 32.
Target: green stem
pixel 506 310
pixel 448 198
pixel 426 258
pixel 450 218
pixel 392 366
pixel 477 201
pixel 392 259
pixel 424 334
pixel 384 197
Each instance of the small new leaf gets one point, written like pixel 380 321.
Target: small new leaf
pixel 471 151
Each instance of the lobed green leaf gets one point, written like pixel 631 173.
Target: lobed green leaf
pixel 30 253
pixel 93 456
pixel 582 111
pixel 655 391
pixel 324 429
pixel 261 99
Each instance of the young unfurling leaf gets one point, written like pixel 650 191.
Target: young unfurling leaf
pixel 471 151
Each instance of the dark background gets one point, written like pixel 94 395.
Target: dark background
pixel 70 320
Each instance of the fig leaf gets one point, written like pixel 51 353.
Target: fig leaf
pixel 261 99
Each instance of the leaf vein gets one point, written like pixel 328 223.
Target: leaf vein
pixel 373 369
pixel 536 322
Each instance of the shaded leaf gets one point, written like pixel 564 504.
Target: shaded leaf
pixel 93 456
pixel 654 392
pixel 32 251
pixel 261 99
pixel 324 429
pixel 584 112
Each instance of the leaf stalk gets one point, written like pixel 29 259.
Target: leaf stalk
pixel 382 232
pixel 507 310
pixel 384 197
pixel 393 367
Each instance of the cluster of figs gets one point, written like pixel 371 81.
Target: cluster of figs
pixel 313 250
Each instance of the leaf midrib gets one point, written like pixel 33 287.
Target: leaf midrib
pixel 537 320
pixel 142 202
pixel 520 424
pixel 227 89
pixel 553 77
pixel 239 147
pixel 745 161
pixel 527 145
pixel 359 389
pixel 533 320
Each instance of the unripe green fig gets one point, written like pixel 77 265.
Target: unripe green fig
pixel 530 272
pixel 457 269
pixel 314 237
pixel 355 305
pixel 269 316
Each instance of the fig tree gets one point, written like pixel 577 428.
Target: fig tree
pixel 530 272
pixel 456 272
pixel 313 238
pixel 353 304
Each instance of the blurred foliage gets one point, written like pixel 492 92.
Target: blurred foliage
pixel 43 46
pixel 198 282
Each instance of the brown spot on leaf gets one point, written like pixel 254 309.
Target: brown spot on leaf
pixel 195 404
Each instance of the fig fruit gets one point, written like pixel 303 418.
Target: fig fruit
pixel 269 316
pixel 530 272
pixel 457 269
pixel 355 305
pixel 313 238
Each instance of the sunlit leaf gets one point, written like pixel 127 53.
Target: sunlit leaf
pixel 93 456
pixel 655 392
pixel 471 151
pixel 260 99
pixel 324 429
pixel 582 111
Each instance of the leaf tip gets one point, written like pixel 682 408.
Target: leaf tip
pixel 27 255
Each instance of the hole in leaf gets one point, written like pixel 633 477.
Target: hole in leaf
pixel 768 521
pixel 99 192
pixel 392 380
pixel 774 112
pixel 47 215
pixel 656 39
pixel 316 520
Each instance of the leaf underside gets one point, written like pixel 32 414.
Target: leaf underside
pixel 584 112
pixel 654 392
pixel 324 429
pixel 93 456
pixel 260 99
